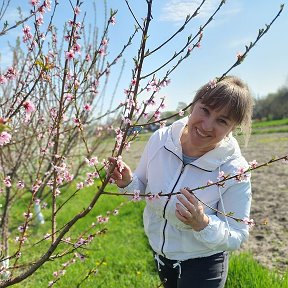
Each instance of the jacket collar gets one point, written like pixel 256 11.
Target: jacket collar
pixel 226 150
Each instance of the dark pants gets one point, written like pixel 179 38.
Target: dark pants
pixel 206 272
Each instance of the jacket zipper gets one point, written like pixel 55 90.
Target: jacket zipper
pixel 164 211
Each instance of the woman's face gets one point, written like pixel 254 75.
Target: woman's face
pixel 206 128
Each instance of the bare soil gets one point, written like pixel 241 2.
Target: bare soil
pixel 267 243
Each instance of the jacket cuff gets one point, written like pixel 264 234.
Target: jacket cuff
pixel 213 233
pixel 131 187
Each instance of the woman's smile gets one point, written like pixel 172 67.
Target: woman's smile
pixel 200 133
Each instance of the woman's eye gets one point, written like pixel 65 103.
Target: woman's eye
pixel 205 109
pixel 222 121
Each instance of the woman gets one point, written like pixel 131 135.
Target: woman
pixel 190 241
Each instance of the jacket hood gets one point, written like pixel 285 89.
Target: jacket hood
pixel 227 149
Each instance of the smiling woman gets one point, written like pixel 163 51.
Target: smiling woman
pixel 190 242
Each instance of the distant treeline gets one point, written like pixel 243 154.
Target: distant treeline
pixel 272 107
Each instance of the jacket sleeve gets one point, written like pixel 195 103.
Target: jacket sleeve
pixel 225 233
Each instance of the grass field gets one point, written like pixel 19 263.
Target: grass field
pixel 119 255
pixel 273 126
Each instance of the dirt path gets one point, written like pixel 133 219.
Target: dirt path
pixel 268 243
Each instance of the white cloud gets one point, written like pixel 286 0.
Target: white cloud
pixel 177 10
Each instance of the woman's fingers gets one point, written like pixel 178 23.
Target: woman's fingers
pixel 188 201
pixel 121 173
pixel 190 211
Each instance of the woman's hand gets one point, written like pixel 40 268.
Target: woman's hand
pixel 191 212
pixel 122 173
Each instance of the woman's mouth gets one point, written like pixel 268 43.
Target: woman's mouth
pixel 201 133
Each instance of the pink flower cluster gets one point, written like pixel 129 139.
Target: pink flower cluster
pixel 5 138
pixel 9 75
pixel 119 137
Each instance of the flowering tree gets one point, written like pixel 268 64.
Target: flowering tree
pixel 51 121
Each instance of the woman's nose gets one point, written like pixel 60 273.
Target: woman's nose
pixel 208 124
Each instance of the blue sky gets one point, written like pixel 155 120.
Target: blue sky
pixel 236 25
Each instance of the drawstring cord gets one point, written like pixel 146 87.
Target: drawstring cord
pixel 221 200
pixel 158 260
pixel 178 264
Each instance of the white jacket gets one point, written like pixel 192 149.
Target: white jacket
pixel 161 169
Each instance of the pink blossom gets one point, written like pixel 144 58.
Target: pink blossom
pixel 101 219
pixel 80 185
pixel 20 185
pixel 253 164
pixel 3 79
pixel 77 10
pixel 26 30
pixel 93 161
pixel 7 181
pixel 47 4
pixel 241 174
pixel 34 2
pixel 76 83
pixel 112 20
pixel 21 229
pixel 120 164
pixel 40 20
pixel 221 175
pixel 87 107
pixel 239 56
pixel 209 182
pixel 181 113
pixel 249 222
pixel 11 73
pixel 44 205
pixel 157 115
pixel 57 192
pixel 41 9
pixel 149 197
pixel 213 83
pixel 69 55
pixel 28 215
pixel 69 97
pixel 77 122
pixel 87 57
pixel 37 201
pixel 133 82
pixel 104 42
pixel 77 48
pixel 136 196
pixel 102 52
pixel 5 138
pixel 127 146
pixel 29 107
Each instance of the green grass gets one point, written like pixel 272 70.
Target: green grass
pixel 268 127
pixel 245 272
pixel 271 123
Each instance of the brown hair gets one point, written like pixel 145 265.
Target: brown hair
pixel 233 95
